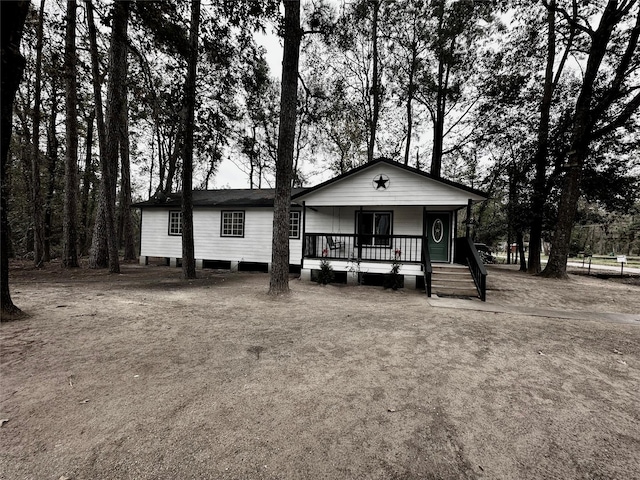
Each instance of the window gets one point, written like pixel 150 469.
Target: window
pixel 294 224
pixel 175 222
pixel 232 224
pixel 376 228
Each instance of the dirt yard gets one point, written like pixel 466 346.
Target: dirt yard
pixel 145 376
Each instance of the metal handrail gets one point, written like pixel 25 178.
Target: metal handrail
pixel 466 253
pixel 426 265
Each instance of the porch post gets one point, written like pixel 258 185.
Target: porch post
pixel 468 221
pixel 360 234
pixel 424 233
pixel 304 230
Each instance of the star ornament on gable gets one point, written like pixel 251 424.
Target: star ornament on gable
pixel 381 182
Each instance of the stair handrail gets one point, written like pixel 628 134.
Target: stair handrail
pixel 467 254
pixel 426 265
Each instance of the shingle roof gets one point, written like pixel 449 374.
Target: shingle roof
pixel 264 197
pixel 217 198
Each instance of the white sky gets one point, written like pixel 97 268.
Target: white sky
pixel 229 175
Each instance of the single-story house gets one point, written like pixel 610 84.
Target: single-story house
pixel 361 222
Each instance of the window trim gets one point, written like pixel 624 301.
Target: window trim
pixel 231 235
pixel 299 224
pixel 373 235
pixel 169 231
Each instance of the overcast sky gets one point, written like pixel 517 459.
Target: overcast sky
pixel 229 175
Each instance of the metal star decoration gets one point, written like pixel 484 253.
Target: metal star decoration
pixel 381 181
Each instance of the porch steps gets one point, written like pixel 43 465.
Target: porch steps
pixel 454 280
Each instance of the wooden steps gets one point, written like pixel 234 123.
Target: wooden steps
pixel 452 280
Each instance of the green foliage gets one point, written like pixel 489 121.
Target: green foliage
pixel 325 274
pixel 393 279
pixel 354 268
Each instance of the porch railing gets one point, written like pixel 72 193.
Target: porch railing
pixel 376 248
pixel 467 254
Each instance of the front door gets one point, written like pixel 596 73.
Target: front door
pixel 438 236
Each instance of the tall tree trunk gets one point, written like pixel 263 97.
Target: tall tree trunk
pixel 104 231
pixel 410 93
pixel 279 278
pixel 540 160
pixel 36 196
pixel 86 186
pixel 70 215
pixel 52 157
pixel 99 253
pixel 438 133
pixel 172 161
pixel 511 216
pixel 115 105
pixel 188 258
pixel 540 157
pixel 520 242
pixel 438 113
pixel 13 16
pixel 252 160
pixel 126 221
pixel 375 89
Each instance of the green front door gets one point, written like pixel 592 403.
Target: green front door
pixel 438 236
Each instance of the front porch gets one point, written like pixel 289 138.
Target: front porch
pixel 359 255
pixel 406 249
pixel 393 215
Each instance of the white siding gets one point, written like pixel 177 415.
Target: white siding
pixel 406 220
pixel 255 246
pixel 155 240
pixel 404 188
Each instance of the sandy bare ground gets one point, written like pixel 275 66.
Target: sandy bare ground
pixel 145 376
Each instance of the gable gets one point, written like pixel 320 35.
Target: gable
pixel 388 183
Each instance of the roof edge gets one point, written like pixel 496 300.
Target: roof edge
pixel 393 163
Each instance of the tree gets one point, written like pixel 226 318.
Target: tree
pixel 70 228
pixel 99 253
pixel 52 164
pixel 606 102
pixel 262 114
pixel 13 17
pixel 375 77
pixel 113 120
pixel 540 161
pixel 125 222
pixel 453 50
pixel 279 278
pixel 409 59
pixel 36 197
pixel 188 260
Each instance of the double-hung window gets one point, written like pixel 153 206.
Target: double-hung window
pixel 232 224
pixel 175 222
pixel 374 227
pixel 294 224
